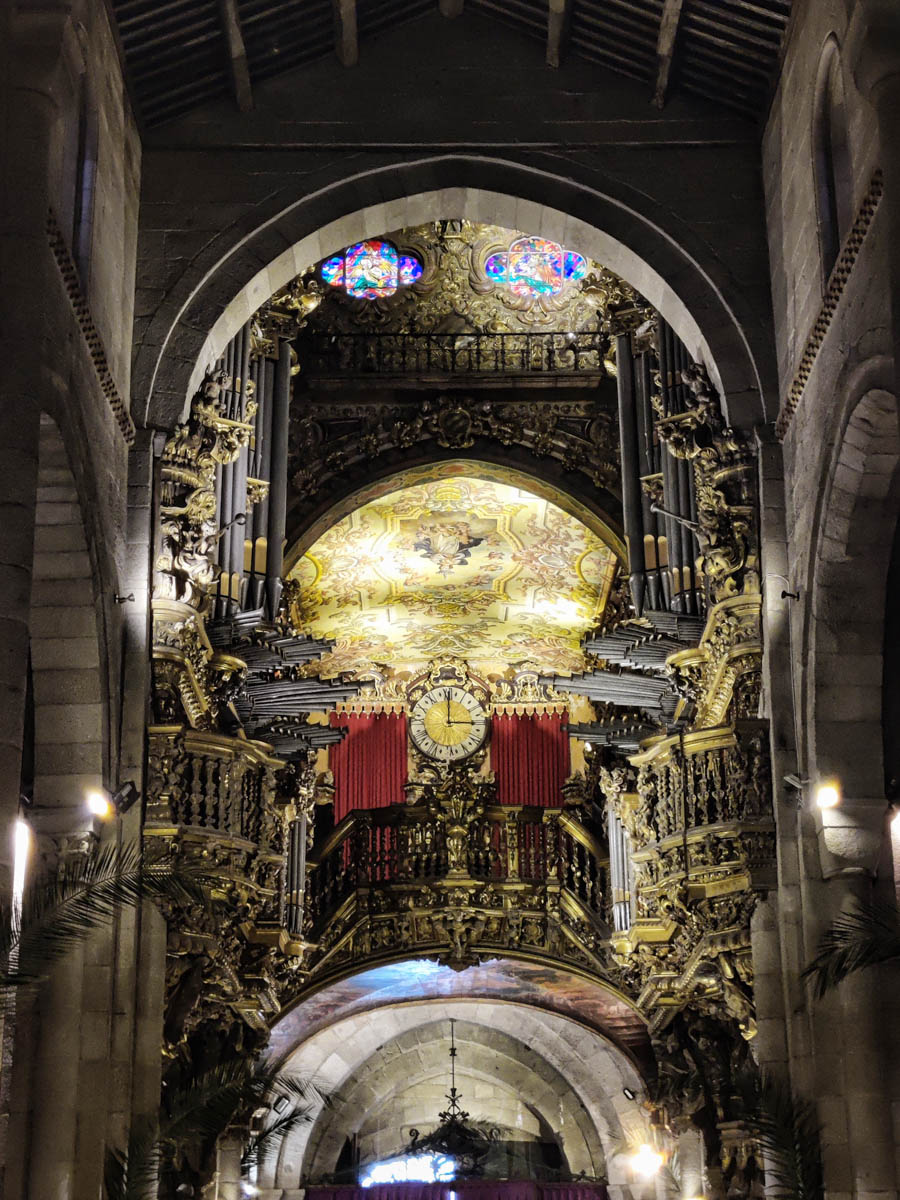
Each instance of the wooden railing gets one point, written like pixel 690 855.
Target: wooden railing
pixel 393 848
pixel 451 353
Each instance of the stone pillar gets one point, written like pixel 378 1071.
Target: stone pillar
pixel 228 1173
pixel 31 43
pixel 692 1164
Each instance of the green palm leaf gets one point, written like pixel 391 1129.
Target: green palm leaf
pixel 787 1131
pixel 261 1145
pixel 61 912
pixel 133 1175
pixel 198 1113
pixel 863 937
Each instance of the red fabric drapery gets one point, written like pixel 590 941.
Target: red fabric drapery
pixel 530 757
pixel 369 765
pixel 465 1189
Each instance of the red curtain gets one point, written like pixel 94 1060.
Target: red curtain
pixel 369 765
pixel 465 1189
pixel 530 757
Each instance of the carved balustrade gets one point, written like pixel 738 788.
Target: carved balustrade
pixel 511 879
pixel 214 804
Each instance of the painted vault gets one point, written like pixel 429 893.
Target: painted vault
pixel 459 568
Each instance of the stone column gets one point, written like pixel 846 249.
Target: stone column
pixel 31 42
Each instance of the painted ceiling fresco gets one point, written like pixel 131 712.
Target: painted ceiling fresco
pixel 499 980
pixel 456 568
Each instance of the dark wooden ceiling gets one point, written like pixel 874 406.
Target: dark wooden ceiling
pixel 182 53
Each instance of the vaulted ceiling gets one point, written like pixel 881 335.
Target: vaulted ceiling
pixel 459 567
pixel 179 54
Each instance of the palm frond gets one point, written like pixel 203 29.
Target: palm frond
pixel 863 937
pixel 133 1174
pixel 261 1145
pixel 209 1103
pixel 787 1131
pixel 61 912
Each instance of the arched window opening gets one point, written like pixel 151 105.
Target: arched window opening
pixel 833 168
pixel 85 183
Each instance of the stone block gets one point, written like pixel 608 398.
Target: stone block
pixel 53 653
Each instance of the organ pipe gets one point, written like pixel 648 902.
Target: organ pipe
pixel 631 474
pixel 281 404
pixel 296 876
pixel 679 505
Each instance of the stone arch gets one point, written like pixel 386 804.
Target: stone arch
pixel 661 256
pixel 596 1071
pixel 859 513
pixel 412 1067
pixel 70 714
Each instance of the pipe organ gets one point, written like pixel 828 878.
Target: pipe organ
pixel 646 874
pixel 659 500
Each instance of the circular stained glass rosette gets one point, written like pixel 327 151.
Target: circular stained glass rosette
pixel 534 267
pixel 495 268
pixel 574 265
pixel 333 271
pixel 410 270
pixel 371 270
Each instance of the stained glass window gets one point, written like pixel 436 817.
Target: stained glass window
pixel 535 267
pixel 371 270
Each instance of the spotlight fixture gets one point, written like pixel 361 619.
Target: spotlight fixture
pixel 104 804
pixel 280 1104
pixel 628 1093
pixel 828 794
pixel 795 782
pixel 126 796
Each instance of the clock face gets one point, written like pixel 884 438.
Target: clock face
pixel 448 724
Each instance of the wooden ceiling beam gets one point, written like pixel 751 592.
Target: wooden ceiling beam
pixel 665 48
pixel 559 14
pixel 237 55
pixel 346 39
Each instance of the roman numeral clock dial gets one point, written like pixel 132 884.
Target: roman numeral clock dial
pixel 448 724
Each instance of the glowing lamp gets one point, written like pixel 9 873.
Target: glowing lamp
pixel 647 1162
pixel 828 794
pixel 21 849
pixel 99 805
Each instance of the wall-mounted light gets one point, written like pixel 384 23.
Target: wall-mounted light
pixel 99 804
pixel 105 804
pixel 646 1161
pixel 628 1093
pixel 21 852
pixel 828 794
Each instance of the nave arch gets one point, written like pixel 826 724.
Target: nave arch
pixel 553 1055
pixel 712 313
